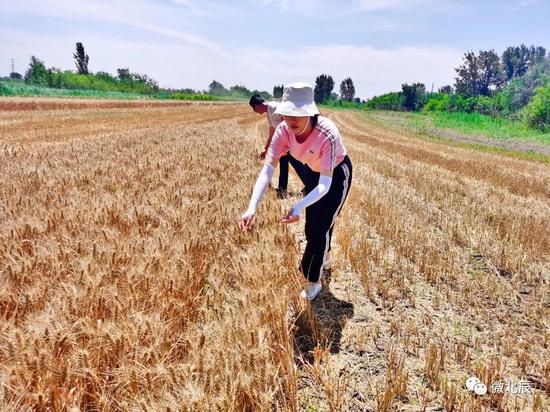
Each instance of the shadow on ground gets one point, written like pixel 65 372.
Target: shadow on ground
pixel 321 322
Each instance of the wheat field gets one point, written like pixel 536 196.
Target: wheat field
pixel 126 284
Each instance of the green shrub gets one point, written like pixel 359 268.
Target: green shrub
pixel 485 105
pixel 14 88
pixel 37 72
pixel 519 92
pixel 388 101
pixel 438 102
pixel 343 104
pixel 5 89
pixel 195 96
pixel 537 112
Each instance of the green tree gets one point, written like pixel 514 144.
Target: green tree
pixel 347 89
pixel 516 61
pixel 537 112
pixel 124 74
pixel 15 76
pixel 323 88
pixel 467 81
pixel 149 83
pixel 479 75
pixel 278 91
pixel 106 77
pixel 447 89
pixel 388 101
pixel 81 59
pixel 240 91
pixel 520 90
pixel 265 95
pixel 37 72
pixel 538 54
pixel 217 89
pixel 413 95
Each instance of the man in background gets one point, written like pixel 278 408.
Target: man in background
pixel 260 106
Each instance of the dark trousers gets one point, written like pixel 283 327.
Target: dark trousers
pixel 283 170
pixel 320 217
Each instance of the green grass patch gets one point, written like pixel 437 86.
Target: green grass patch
pixel 417 123
pixel 15 88
pixel 475 124
pixel 184 96
pixel 18 88
pixel 341 105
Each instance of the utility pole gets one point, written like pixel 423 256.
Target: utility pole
pixel 432 87
pixel 12 66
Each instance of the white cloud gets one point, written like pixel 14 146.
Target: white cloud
pixel 176 34
pixel 371 5
pixel 179 58
pixel 526 3
pixel 126 12
pixel 286 5
pixel 192 5
pixel 373 70
pixel 427 5
pixel 174 64
pixel 516 5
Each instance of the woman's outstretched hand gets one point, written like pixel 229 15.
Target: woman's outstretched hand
pixel 290 217
pixel 246 223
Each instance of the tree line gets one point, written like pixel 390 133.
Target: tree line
pixel 124 81
pixel 324 84
pixel 515 84
pixel 216 88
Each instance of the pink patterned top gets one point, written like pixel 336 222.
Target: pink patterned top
pixel 322 150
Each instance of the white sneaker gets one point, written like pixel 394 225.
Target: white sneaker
pixel 311 290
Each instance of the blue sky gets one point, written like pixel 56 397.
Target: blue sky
pixel 259 43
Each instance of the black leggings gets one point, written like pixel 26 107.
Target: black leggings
pixel 283 170
pixel 320 217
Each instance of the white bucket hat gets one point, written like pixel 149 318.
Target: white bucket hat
pixel 297 101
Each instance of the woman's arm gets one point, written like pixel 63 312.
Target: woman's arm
pixel 322 188
pixel 277 147
pixel 262 182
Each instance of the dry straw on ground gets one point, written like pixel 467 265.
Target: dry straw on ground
pixel 126 285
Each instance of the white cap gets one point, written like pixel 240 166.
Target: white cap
pixel 297 101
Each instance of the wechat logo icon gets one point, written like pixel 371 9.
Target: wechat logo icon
pixel 474 385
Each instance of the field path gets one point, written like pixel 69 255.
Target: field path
pixel 516 144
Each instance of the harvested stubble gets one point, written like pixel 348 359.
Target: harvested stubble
pixel 25 104
pixel 126 283
pixel 127 286
pixel 454 253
